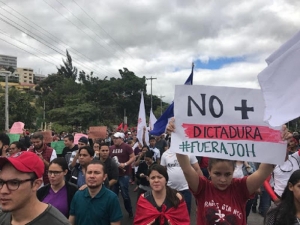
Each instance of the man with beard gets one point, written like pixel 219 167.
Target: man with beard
pixel 20 178
pixel 102 204
pixel 4 143
pixel 46 153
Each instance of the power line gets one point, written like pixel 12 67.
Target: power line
pixel 75 51
pixel 46 44
pixel 26 51
pixel 102 29
pixel 101 45
pixel 7 35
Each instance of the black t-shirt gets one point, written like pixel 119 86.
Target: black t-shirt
pixel 50 216
pixel 66 150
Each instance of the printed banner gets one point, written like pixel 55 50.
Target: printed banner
pixel 58 146
pixel 78 136
pixel 47 136
pixel 14 137
pixel 224 122
pixel 17 128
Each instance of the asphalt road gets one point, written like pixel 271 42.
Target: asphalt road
pixel 253 219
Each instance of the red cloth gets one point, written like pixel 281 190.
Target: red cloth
pixel 120 127
pixel 146 213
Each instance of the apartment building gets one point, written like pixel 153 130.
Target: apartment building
pixel 26 75
pixel 8 61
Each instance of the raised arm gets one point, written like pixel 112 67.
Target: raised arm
pixel 255 180
pixel 189 172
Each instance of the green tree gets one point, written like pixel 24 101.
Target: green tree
pixel 68 70
pixel 21 108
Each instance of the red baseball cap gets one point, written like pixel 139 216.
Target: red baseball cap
pixel 26 162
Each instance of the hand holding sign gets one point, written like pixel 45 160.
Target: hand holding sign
pixel 223 122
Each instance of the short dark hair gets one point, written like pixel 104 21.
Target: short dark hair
pixel 4 139
pixel 70 137
pixel 61 162
pixel 37 135
pixel 104 144
pixel 88 149
pixel 97 162
pixel 152 138
pixel 18 144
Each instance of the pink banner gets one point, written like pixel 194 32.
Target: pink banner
pixel 17 128
pixel 78 136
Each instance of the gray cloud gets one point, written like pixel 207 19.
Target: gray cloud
pixel 160 38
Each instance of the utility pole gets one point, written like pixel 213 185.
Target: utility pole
pixel 44 115
pixel 161 103
pixel 151 78
pixel 6 103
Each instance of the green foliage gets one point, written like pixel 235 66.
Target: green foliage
pixel 58 128
pixel 68 70
pixel 21 108
pixel 91 100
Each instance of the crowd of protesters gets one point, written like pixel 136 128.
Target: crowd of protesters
pixel 82 185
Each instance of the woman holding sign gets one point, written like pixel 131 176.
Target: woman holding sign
pixel 222 200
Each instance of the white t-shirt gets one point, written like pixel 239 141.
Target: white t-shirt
pixel 177 180
pixel 282 173
pixel 156 153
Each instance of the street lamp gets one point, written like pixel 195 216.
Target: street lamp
pixel 6 74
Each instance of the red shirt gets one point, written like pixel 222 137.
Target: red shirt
pixel 222 207
pixel 123 153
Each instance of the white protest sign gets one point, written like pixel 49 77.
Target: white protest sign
pixel 224 122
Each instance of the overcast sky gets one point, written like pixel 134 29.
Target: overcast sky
pixel 228 40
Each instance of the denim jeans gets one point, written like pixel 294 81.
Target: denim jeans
pixel 264 203
pixel 123 184
pixel 187 195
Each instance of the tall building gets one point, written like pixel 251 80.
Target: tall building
pixel 8 61
pixel 26 75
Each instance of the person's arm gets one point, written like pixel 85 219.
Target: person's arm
pixel 137 162
pixel 143 137
pixel 73 159
pixel 72 219
pixel 196 167
pixel 255 180
pixel 131 159
pixel 190 174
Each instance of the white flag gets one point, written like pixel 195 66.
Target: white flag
pixel 283 48
pixel 152 120
pixel 280 84
pixel 142 121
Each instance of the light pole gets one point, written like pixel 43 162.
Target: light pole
pixel 6 73
pixel 161 103
pixel 6 102
pixel 151 78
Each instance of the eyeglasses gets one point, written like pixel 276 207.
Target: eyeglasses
pixel 13 185
pixel 55 173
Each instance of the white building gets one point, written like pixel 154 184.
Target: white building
pixel 26 75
